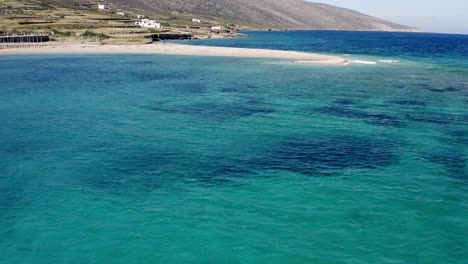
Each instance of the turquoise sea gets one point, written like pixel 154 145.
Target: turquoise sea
pixel 178 159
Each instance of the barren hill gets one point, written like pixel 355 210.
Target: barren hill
pixel 292 14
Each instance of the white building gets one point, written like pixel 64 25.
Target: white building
pixel 120 13
pixel 216 27
pixel 103 6
pixel 148 23
pixel 194 20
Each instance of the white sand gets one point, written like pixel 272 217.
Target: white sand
pixel 178 49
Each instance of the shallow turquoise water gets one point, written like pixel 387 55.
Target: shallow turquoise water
pixel 166 159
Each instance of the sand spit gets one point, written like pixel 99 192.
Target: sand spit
pixel 178 49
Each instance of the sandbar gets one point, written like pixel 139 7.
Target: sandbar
pixel 178 49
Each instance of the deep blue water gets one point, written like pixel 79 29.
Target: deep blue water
pixel 416 46
pixel 177 159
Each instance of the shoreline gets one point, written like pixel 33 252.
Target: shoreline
pixel 179 49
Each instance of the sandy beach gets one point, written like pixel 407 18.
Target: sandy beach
pixel 178 49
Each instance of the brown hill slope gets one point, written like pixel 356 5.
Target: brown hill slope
pixel 292 14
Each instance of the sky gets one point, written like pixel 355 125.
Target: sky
pixel 448 16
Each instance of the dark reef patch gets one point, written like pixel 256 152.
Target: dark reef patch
pixel 428 118
pixel 157 74
pixel 252 86
pixel 165 109
pixel 150 76
pixel 140 172
pixel 192 88
pixel 221 171
pixel 452 89
pixel 146 171
pixel 370 118
pixel 327 155
pixel 458 137
pixel 383 120
pixel 143 62
pixel 434 118
pixel 217 110
pixel 437 90
pixel 13 148
pixel 405 103
pixel 255 100
pixel 229 110
pixel 20 146
pixel 454 162
pixel 343 102
pixel 10 196
pixel 239 89
pixel 446 89
pixel 231 90
pixel 423 85
pixel 12 187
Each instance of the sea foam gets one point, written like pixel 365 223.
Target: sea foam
pixel 363 62
pixel 389 61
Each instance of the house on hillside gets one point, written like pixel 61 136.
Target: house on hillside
pixel 217 28
pixel 103 6
pixel 148 23
pixel 120 13
pixel 194 20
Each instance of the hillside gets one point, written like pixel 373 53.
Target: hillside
pixel 292 14
pixel 81 20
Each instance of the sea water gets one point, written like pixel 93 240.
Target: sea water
pixel 178 159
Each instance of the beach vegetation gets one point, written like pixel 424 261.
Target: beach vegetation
pixel 89 33
pixel 154 31
pixel 62 33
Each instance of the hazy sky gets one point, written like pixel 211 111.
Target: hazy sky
pixel 430 15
